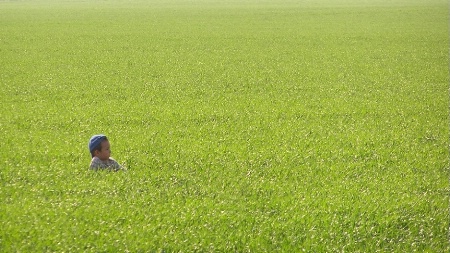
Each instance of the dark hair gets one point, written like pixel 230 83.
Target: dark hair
pixel 98 147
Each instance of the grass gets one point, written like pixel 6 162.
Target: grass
pixel 247 126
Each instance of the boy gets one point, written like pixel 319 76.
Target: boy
pixel 100 151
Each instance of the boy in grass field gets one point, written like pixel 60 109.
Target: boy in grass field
pixel 100 150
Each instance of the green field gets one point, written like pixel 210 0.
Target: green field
pixel 246 126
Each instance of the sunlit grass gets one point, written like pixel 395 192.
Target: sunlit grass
pixel 315 126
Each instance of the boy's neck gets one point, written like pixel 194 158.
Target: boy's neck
pixel 101 159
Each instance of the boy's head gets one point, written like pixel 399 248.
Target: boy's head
pixel 99 147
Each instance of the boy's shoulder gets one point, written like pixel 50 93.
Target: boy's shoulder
pixel 97 163
pixel 96 160
pixel 114 164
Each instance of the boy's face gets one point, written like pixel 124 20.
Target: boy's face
pixel 105 152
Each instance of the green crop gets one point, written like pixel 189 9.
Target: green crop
pixel 245 126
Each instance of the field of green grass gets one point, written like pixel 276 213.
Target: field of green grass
pixel 245 126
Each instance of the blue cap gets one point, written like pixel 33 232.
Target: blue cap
pixel 95 141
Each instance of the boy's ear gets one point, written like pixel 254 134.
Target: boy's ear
pixel 96 152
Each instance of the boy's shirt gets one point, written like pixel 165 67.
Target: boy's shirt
pixel 110 164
